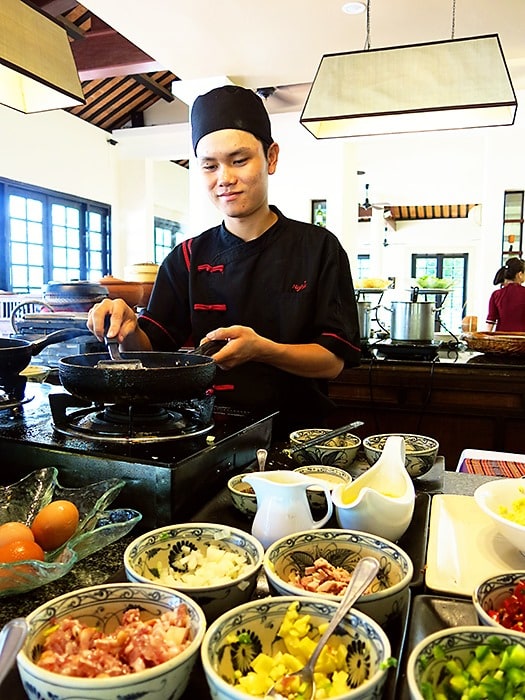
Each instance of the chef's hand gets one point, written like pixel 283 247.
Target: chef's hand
pixel 241 346
pixel 122 324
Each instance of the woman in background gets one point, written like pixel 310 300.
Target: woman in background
pixel 507 304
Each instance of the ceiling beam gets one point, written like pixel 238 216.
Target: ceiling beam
pixel 155 87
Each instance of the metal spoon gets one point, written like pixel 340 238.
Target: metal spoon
pixel 363 573
pixel 12 636
pixel 262 454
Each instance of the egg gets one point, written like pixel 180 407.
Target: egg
pixel 20 550
pixel 55 524
pixel 14 531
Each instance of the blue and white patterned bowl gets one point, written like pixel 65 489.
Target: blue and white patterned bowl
pixel 427 660
pixel 148 556
pixel 103 606
pixel 340 452
pixel 259 620
pixel 388 595
pixel 491 593
pixel 420 451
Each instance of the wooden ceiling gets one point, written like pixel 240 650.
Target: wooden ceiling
pixel 119 80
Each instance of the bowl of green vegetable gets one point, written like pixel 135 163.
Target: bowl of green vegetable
pixel 468 662
pixel 249 648
pixel 433 282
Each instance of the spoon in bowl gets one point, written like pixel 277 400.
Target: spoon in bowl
pixel 362 575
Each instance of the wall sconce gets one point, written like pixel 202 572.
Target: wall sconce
pixel 37 68
pixel 453 84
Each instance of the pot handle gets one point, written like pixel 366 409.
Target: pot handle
pixel 208 348
pixel 57 337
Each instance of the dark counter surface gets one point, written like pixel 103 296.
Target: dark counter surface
pixel 107 565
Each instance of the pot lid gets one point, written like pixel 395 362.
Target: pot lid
pixel 75 288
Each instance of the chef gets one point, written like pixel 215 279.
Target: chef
pixel 278 292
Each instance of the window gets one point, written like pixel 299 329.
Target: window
pixel 363 267
pixel 48 236
pixel 319 212
pixel 166 236
pixel 512 226
pixel 452 267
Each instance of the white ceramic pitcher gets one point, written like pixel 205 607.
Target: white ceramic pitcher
pixel 380 501
pixel 282 504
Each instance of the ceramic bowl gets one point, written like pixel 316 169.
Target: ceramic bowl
pixel 223 654
pixel 97 527
pixel 242 495
pixel 340 452
pixel 493 592
pixel 504 496
pixel 333 475
pixel 386 598
pixel 102 606
pixel 155 557
pixel 426 665
pixel 420 451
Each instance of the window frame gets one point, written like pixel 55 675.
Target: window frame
pixel 48 198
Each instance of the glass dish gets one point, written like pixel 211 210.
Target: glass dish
pixel 98 526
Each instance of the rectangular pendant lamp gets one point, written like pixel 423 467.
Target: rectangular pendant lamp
pixel 453 84
pixel 37 68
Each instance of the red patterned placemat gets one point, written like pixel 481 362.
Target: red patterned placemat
pixel 493 467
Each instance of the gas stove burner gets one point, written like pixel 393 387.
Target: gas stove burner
pixel 123 423
pixel 12 391
pixel 424 351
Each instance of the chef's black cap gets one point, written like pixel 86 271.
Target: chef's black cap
pixel 230 107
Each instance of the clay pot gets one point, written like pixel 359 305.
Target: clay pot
pixel 131 292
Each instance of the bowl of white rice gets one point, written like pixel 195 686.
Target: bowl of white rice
pixel 215 565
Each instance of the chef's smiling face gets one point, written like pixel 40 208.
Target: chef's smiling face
pixel 235 171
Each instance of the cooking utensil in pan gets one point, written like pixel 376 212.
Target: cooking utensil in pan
pixel 16 354
pixel 116 360
pixel 165 376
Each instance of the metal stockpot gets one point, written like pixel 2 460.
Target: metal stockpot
pixel 412 320
pixel 363 314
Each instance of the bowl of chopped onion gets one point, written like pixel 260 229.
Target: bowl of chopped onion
pixel 112 641
pixel 247 649
pixel 499 600
pixel 216 565
pixel 320 562
pixel 503 501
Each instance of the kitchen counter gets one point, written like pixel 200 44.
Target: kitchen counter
pixel 464 402
pixel 107 564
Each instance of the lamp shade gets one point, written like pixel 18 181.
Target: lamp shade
pixel 454 84
pixel 37 68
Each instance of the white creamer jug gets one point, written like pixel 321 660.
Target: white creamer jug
pixel 282 504
pixel 380 501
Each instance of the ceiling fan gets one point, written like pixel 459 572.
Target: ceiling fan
pixel 283 97
pixel 367 204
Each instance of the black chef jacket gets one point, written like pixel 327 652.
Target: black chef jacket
pixel 292 284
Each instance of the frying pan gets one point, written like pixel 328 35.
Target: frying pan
pixel 16 354
pixel 164 377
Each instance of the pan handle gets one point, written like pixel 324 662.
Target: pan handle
pixel 57 337
pixel 208 348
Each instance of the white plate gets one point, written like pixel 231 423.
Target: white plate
pixel 464 547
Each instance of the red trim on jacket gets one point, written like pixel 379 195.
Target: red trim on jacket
pixel 209 307
pixel 337 337
pixel 145 316
pixel 186 250
pixel 224 387
pixel 206 267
